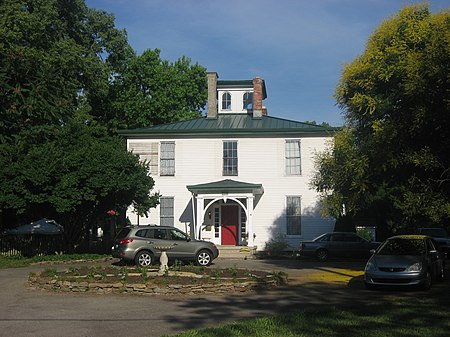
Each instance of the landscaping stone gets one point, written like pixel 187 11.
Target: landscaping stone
pixel 172 283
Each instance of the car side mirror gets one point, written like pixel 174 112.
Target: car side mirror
pixel 188 239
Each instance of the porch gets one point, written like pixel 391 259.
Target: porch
pixel 223 211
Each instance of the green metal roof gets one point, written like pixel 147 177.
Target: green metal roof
pixel 231 124
pixel 226 186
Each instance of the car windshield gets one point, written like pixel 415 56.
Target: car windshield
pixel 402 246
pixel 175 234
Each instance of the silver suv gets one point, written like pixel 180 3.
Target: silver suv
pixel 143 244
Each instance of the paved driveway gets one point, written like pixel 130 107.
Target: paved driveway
pixel 28 312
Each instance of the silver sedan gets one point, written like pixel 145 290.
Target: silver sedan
pixel 405 260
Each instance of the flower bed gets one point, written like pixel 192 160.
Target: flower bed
pixel 180 280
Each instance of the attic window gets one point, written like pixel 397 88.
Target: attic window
pixel 226 101
pixel 248 101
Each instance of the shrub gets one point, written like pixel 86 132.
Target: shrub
pixel 277 245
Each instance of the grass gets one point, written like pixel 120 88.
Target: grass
pixel 19 261
pixel 411 317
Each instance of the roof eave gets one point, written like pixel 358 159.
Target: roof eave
pixel 312 132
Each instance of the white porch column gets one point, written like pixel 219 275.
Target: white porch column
pixel 250 221
pixel 200 216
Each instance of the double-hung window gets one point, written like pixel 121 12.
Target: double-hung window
pixel 167 159
pixel 293 158
pixel 247 101
pixel 226 101
pixel 230 158
pixel 166 213
pixel 148 152
pixel 293 215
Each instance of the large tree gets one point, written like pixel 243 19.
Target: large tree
pixel 391 159
pixel 73 174
pixel 153 91
pixel 55 55
pixel 66 84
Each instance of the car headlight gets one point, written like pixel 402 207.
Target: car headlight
pixel 415 267
pixel 370 266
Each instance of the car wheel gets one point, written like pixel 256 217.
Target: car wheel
pixel 322 255
pixel 428 281
pixel 144 259
pixel 204 258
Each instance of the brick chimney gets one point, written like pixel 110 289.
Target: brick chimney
pixel 258 97
pixel 212 94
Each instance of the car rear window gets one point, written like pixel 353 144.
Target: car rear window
pixel 123 233
pixel 142 233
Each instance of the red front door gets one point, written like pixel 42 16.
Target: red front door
pixel 230 220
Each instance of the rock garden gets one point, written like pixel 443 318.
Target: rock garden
pixel 178 279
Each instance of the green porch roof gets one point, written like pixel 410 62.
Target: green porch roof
pixel 226 186
pixel 231 124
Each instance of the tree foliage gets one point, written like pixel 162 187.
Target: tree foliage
pixel 73 174
pixel 153 91
pixel 68 80
pixel 54 56
pixel 392 154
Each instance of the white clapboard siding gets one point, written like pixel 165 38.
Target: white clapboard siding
pixel 260 161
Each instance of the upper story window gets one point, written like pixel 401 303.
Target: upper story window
pixel 148 152
pixel 230 158
pixel 226 101
pixel 248 101
pixel 167 159
pixel 293 159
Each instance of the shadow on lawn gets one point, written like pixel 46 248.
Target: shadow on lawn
pixel 394 308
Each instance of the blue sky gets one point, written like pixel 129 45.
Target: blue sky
pixel 298 47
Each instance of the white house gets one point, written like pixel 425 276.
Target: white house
pixel 236 176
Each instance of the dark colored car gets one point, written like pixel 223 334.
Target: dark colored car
pixel 440 235
pixel 142 245
pixel 405 260
pixel 337 244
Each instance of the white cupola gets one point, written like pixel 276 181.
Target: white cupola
pixel 235 96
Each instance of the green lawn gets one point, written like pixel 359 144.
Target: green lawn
pixel 408 317
pixel 18 261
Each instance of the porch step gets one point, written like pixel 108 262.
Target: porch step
pixel 236 252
